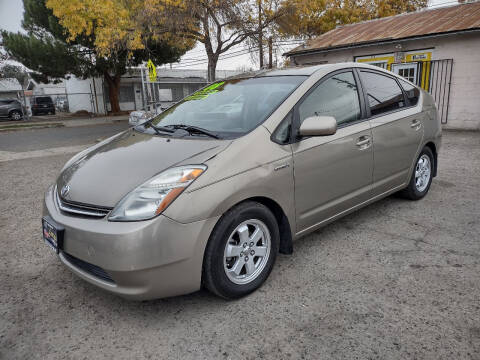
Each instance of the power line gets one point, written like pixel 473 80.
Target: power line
pixel 190 59
pixel 244 52
pixel 220 57
pixel 206 61
pixel 229 52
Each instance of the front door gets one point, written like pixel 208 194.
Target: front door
pixel 332 173
pixel 407 71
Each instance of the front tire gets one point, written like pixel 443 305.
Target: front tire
pixel 241 251
pixel 421 177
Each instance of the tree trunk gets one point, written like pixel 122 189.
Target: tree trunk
pixel 113 91
pixel 212 67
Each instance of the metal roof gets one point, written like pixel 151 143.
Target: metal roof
pixel 428 22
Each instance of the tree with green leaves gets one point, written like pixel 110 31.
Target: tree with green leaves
pixel 53 53
pixel 14 71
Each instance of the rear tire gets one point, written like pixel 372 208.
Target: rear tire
pixel 421 177
pixel 241 251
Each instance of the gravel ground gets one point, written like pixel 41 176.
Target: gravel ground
pixel 396 280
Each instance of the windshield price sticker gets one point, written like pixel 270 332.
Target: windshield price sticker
pixel 209 90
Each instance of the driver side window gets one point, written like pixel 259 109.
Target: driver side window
pixel 337 96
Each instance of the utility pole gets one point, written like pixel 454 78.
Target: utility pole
pixel 94 88
pixel 260 32
pixel 270 51
pixel 95 93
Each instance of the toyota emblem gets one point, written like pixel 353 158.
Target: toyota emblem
pixel 65 190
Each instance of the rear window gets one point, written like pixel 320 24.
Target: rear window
pixel 384 94
pixel 43 100
pixel 412 92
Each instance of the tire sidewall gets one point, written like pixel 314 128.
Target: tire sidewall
pixel 216 247
pixel 421 194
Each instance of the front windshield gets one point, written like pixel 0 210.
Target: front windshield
pixel 230 108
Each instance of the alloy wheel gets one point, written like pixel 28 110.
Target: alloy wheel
pixel 247 251
pixel 423 171
pixel 16 116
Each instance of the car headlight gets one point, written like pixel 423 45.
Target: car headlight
pixel 151 198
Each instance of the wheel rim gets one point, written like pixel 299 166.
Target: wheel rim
pixel 423 171
pixel 16 116
pixel 247 251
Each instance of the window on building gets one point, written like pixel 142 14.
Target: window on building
pixel 407 73
pixel 382 65
pixel 412 92
pixel 337 96
pixel 175 89
pixel 164 94
pixel 383 92
pixel 191 88
pixel 126 93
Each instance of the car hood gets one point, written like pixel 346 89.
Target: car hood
pixel 104 173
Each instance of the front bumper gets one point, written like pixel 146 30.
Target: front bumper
pixel 144 259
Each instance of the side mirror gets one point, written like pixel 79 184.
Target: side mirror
pixel 137 118
pixel 318 126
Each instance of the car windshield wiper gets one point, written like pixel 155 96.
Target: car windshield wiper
pixel 195 129
pixel 160 130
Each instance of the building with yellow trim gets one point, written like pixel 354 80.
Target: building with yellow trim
pixel 437 49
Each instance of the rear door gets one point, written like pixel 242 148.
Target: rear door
pixel 396 129
pixel 332 173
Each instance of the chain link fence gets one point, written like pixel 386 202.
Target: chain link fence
pixel 63 104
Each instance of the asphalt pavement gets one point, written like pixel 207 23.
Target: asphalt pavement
pixel 39 139
pixel 395 280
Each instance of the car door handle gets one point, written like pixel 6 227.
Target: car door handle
pixel 416 124
pixel 363 142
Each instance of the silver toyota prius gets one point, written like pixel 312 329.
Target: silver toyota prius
pixel 209 191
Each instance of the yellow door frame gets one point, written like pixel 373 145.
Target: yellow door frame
pixel 410 56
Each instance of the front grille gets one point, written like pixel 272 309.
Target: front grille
pixel 81 209
pixel 91 269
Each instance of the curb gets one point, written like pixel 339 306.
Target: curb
pixel 29 127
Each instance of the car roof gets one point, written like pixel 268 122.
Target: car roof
pixel 311 69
